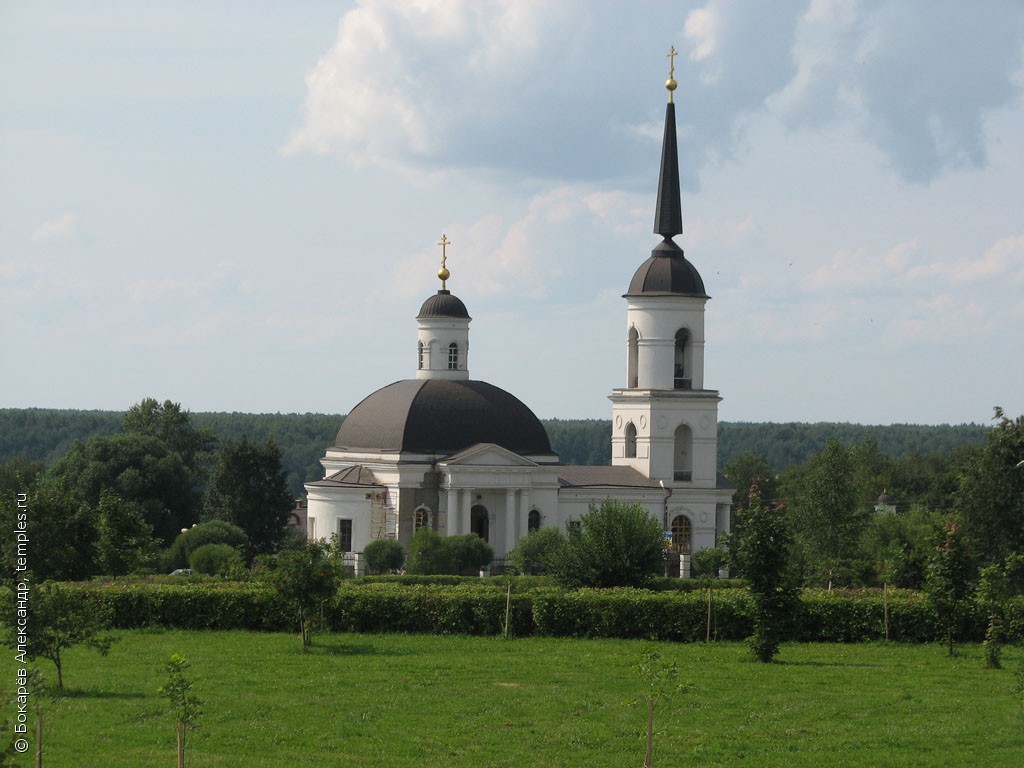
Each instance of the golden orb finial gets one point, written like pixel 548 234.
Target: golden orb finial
pixel 671 83
pixel 443 274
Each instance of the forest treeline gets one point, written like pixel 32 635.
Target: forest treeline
pixel 38 434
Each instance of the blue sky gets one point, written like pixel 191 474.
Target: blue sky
pixel 235 205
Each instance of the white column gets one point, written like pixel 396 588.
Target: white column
pixel 524 512
pixel 452 518
pixel 510 519
pixel 465 517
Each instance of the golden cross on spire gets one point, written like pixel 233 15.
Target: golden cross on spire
pixel 671 82
pixel 443 272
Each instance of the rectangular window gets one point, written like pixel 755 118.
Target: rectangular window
pixel 453 357
pixel 345 535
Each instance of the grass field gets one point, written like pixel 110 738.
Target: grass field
pixel 375 700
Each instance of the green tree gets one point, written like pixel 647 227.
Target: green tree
pixel 660 682
pixel 538 552
pixel 125 542
pixel 249 488
pixel 173 426
pixel 747 469
pixel 899 545
pixel 990 500
pixel 428 553
pixel 58 619
pixel 383 555
pixel 763 555
pixel 949 579
pixel 827 517
pixel 306 577
pixel 995 587
pixel 615 545
pixel 186 705
pixel 138 468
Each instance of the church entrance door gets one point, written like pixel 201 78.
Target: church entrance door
pixel 478 521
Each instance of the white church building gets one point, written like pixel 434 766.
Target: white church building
pixel 460 455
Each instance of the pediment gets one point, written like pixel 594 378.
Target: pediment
pixel 486 455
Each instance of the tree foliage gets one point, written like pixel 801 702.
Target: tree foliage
pixel 191 539
pixel 248 488
pixel 990 501
pixel 383 555
pixel 214 559
pixel 140 469
pixel 125 542
pixel 949 579
pixel 431 553
pixel 763 556
pixel 59 619
pixel 173 426
pixel 306 577
pixel 539 552
pixel 615 545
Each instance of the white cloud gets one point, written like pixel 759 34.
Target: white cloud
pixel 59 230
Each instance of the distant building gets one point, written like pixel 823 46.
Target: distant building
pixel 460 455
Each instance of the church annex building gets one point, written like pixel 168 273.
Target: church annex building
pixel 460 455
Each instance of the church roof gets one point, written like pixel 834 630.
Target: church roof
pixel 442 416
pixel 443 304
pixel 356 475
pixel 584 475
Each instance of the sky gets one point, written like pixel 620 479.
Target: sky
pixel 235 205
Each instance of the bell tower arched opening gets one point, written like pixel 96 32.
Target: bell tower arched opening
pixel 632 358
pixel 630 441
pixel 682 375
pixel 683 467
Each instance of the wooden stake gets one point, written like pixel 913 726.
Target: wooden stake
pixel 508 606
pixel 181 744
pixel 707 639
pixel 885 609
pixel 39 737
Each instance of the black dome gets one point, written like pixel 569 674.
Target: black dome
pixel 443 304
pixel 442 416
pixel 667 272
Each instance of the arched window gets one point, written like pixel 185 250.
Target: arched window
pixel 630 441
pixel 632 359
pixel 682 378
pixel 419 518
pixel 533 521
pixel 453 357
pixel 419 345
pixel 478 521
pixel 682 534
pixel 684 454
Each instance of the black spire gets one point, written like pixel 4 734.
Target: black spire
pixel 668 216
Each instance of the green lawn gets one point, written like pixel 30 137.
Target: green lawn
pixel 393 700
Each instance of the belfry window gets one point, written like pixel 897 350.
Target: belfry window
pixel 453 357
pixel 419 346
pixel 683 469
pixel 632 359
pixel 630 441
pixel 682 378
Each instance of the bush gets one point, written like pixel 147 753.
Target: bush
pixel 212 532
pixel 428 554
pixel 383 555
pixel 707 562
pixel 468 553
pixel 214 559
pixel 538 552
pixel 615 545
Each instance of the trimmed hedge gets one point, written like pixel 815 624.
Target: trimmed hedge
pixel 477 607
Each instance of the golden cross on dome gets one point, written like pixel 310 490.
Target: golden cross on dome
pixel 443 272
pixel 671 82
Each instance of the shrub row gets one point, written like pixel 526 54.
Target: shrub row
pixel 466 608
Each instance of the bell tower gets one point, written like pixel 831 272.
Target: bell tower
pixel 665 420
pixel 442 339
